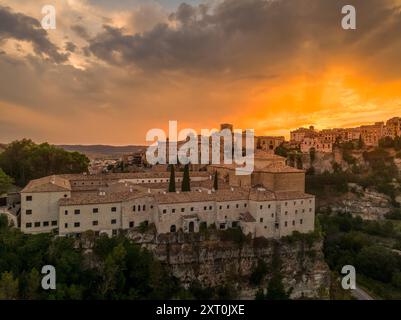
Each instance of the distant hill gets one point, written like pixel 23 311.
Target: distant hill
pixel 102 151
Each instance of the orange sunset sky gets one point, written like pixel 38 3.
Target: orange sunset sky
pixel 112 70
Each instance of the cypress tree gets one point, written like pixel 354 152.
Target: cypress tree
pixel 171 186
pixel 360 142
pixel 186 186
pixel 215 182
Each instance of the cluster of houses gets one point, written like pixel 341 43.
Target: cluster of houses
pixel 323 140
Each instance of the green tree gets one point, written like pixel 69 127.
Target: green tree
pixel 312 155
pixel 171 185
pixel 33 280
pixel 275 288
pixel 361 144
pixel 24 160
pixel 186 180
pixel 216 181
pixel 5 182
pixel 8 286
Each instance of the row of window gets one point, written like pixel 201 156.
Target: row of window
pixel 293 222
pixel 38 224
pixel 94 223
pixel 295 202
pixel 205 208
pixel 94 210
pixel 296 211
pixel 138 207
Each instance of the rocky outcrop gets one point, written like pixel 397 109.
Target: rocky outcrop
pixel 214 262
pixel 366 203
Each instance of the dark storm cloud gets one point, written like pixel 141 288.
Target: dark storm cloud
pixel 21 27
pixel 70 46
pixel 81 31
pixel 246 34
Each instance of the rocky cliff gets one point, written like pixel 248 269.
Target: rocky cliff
pixel 213 262
pixel 366 203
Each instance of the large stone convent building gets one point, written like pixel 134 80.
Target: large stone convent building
pixel 271 202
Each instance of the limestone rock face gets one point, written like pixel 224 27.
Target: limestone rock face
pixel 213 262
pixel 366 203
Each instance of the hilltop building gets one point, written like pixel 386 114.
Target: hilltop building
pixel 323 140
pixel 271 202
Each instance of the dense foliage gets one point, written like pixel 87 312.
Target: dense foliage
pixel 115 269
pixel 365 245
pixel 5 182
pixel 24 160
pixel 380 173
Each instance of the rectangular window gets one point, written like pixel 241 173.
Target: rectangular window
pixel 54 223
pixel 173 210
pixel 182 209
pixel 210 207
pixel 28 225
pixel 95 210
pixel 269 206
pixel 76 224
pixel 66 212
pixel 237 205
pixel 300 221
pixel 37 224
pixel 66 225
pixel 77 211
pixel 131 224
pixel 28 212
pixel 46 223
pixel 113 209
pixel 114 232
pixel 95 223
pixel 293 222
pixel 205 208
pixel 261 207
pixel 220 207
pixel 165 211
pixel 113 221
pixel 28 198
pixel 228 206
pixel 261 219
pixel 285 224
pixel 134 208
pixel 245 205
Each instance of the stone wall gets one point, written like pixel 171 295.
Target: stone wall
pixel 214 262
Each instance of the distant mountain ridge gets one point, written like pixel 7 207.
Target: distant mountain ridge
pixel 103 151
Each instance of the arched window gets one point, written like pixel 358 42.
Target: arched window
pixel 173 228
